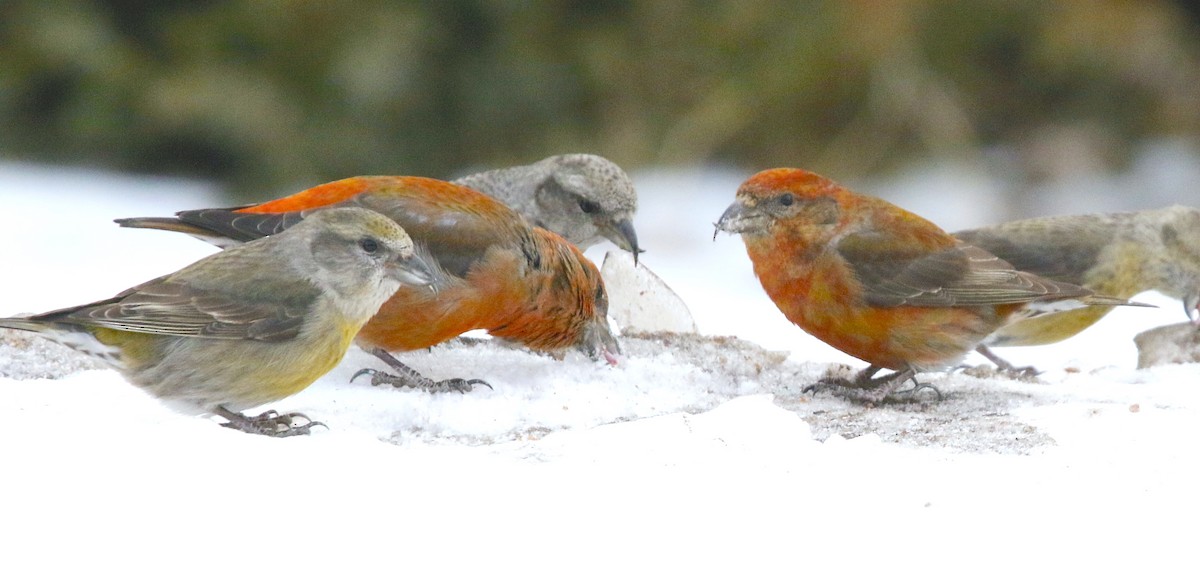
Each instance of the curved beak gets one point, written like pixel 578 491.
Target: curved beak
pixel 730 220
pixel 620 232
pixel 412 270
pixel 599 342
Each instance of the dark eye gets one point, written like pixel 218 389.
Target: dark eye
pixel 786 199
pixel 589 207
pixel 369 245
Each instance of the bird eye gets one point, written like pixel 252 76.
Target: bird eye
pixel 589 207
pixel 786 199
pixel 369 245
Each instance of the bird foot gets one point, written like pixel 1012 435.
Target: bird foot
pixel 911 395
pixel 414 380
pixel 270 423
pixel 867 389
pixel 1003 367
pixel 1027 373
pixel 408 377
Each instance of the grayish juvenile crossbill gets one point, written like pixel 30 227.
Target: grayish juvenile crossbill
pixel 583 198
pixel 250 324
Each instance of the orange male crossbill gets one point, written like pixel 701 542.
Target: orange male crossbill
pixel 251 324
pixel 876 281
pixel 1117 254
pixel 495 272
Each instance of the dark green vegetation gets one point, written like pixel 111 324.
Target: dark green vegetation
pixel 272 95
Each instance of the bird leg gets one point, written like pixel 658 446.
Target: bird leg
pixel 864 386
pixel 1005 367
pixel 270 423
pixel 408 377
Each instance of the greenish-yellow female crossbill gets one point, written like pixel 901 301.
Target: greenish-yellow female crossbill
pixel 250 324
pixel 1113 254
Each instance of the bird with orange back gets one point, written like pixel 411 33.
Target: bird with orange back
pixel 878 282
pixel 495 272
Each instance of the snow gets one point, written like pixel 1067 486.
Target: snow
pixel 696 451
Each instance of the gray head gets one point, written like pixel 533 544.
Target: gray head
pixel 1180 232
pixel 586 198
pixel 359 256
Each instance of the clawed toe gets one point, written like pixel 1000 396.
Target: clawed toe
pixel 269 423
pixel 1004 367
pixel 911 395
pixel 414 380
pixel 1027 373
pixel 864 387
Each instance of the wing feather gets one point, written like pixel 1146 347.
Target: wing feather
pixel 958 275
pixel 170 308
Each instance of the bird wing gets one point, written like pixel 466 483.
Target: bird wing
pixel 174 308
pixel 957 275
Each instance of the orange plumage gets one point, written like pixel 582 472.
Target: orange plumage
pixel 520 283
pixel 876 281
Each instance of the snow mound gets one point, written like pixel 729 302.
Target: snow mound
pixel 25 355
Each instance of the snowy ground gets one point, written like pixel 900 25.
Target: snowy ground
pixel 695 452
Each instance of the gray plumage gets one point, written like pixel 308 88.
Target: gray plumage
pixel 584 198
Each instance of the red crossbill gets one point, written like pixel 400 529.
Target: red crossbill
pixel 251 324
pixel 1119 254
pixel 583 198
pixel 876 281
pixel 520 283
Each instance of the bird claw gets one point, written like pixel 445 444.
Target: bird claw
pixel 415 380
pixel 271 423
pixel 1003 366
pixel 910 395
pixel 868 389
pixel 1027 373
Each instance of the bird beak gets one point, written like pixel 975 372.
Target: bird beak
pixel 599 342
pixel 738 219
pixel 1191 305
pixel 412 270
pixel 621 233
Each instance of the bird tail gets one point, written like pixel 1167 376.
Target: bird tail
pixel 160 223
pixel 1098 300
pixel 173 224
pixel 1041 307
pixel 25 325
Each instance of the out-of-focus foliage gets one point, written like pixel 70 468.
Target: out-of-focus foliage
pixel 274 93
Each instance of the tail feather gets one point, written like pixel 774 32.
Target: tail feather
pixel 24 324
pixel 1043 307
pixel 161 223
pixel 173 224
pixel 1098 300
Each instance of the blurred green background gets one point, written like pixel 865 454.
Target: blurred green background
pixel 269 96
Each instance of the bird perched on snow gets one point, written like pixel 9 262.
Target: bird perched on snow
pixel 876 281
pixel 495 272
pixel 251 324
pixel 1118 254
pixel 584 198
